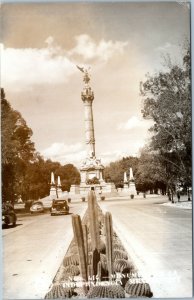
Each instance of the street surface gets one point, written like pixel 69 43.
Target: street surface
pixel 158 239
pixel 33 251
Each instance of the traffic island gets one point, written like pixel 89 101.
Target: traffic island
pixel 96 264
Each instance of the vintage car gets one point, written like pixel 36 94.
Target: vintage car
pixel 8 214
pixel 37 207
pixel 59 207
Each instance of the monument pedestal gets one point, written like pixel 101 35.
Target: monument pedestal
pixel 53 193
pixel 102 188
pixel 92 177
pixel 132 189
pixel 59 192
pixel 91 168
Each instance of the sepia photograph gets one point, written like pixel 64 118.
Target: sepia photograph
pixel 96 149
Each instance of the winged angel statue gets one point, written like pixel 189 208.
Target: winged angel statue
pixel 86 74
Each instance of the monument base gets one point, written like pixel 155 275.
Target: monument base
pixel 102 188
pixel 53 193
pixel 91 173
pixel 59 192
pixel 132 189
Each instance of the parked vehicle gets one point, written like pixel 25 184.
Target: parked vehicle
pixel 59 207
pixel 8 214
pixel 37 207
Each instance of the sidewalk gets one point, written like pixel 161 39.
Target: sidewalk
pixel 183 203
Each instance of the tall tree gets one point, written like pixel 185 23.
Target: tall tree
pixel 151 173
pixel 17 149
pixel 167 101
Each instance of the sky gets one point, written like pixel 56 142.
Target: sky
pixel 41 44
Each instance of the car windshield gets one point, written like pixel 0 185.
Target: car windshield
pixel 59 204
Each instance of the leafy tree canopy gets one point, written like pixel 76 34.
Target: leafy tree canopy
pixel 16 135
pixel 167 101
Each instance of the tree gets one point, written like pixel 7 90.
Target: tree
pixel 36 182
pixel 115 171
pixel 17 149
pixel 69 175
pixel 151 173
pixel 167 101
pixel 16 143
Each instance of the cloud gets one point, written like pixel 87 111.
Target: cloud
pixel 26 67
pixel 23 68
pixel 63 153
pixel 75 153
pixel 134 122
pixel 132 150
pixel 131 123
pixel 110 156
pixel 88 49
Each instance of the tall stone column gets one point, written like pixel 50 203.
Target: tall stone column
pixel 87 96
pixel 89 128
pixel 91 166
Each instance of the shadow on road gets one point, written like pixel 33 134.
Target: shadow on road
pixel 62 215
pixel 5 226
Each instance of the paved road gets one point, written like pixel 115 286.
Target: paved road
pixel 159 239
pixel 33 252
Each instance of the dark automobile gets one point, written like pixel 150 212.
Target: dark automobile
pixel 59 207
pixel 37 207
pixel 8 214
